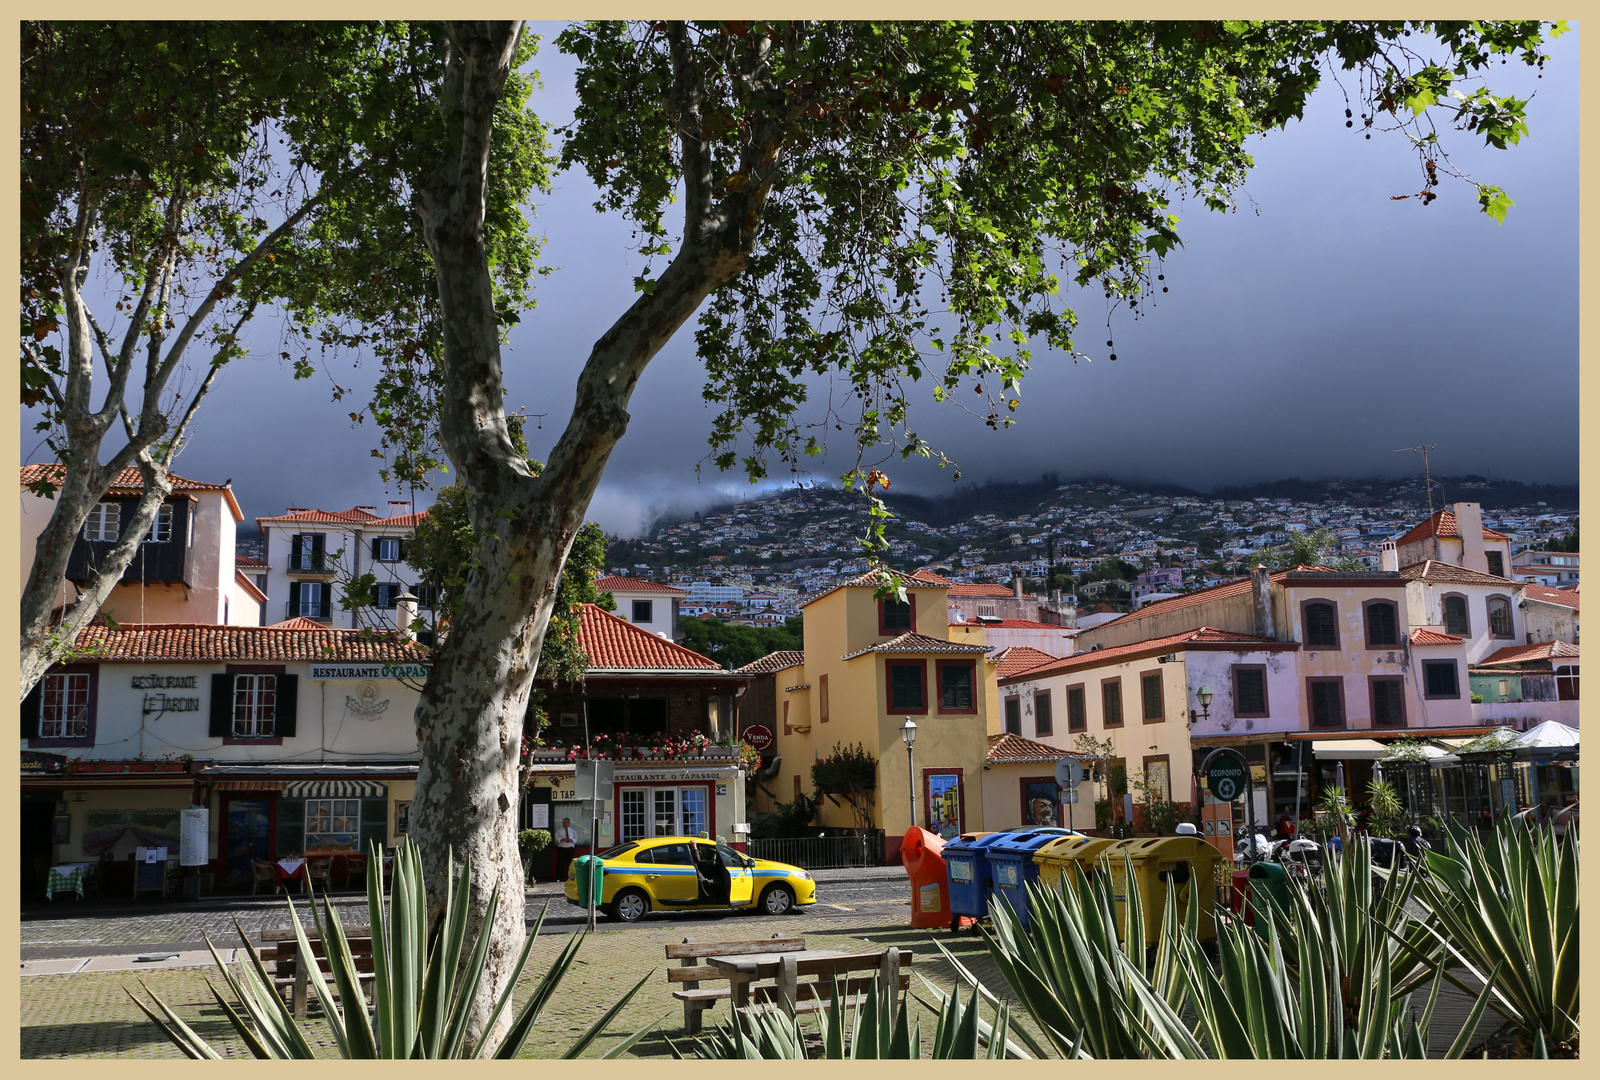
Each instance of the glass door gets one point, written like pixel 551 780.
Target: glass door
pixel 248 837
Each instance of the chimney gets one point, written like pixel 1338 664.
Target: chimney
pixel 1016 585
pixel 1261 592
pixel 405 611
pixel 1469 523
pixel 1388 556
pixel 403 504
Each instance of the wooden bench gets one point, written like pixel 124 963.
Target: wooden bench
pixel 282 949
pixel 691 973
pixel 794 996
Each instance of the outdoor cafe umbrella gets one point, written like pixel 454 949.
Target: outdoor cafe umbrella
pixel 1548 736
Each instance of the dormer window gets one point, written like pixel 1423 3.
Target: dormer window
pixel 896 616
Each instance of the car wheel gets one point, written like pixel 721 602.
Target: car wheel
pixel 777 900
pixel 630 905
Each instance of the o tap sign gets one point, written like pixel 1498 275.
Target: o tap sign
pixel 758 736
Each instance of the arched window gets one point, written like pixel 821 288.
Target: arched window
pixel 1383 624
pixel 1500 617
pixel 1322 624
pixel 1455 616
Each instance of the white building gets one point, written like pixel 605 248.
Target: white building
pixel 648 605
pixel 312 556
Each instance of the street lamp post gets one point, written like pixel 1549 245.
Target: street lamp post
pixel 908 732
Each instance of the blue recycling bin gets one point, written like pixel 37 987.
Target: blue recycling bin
pixel 970 878
pixel 1012 867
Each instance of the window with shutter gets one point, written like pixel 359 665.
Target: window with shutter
pixel 1499 617
pixel 386 549
pixel 1044 722
pixel 1322 625
pixel 894 616
pixel 1150 692
pixel 1455 616
pixel 1077 709
pixel 907 686
pixel 1382 625
pixel 955 686
pixel 1388 702
pixel 1326 697
pixel 1249 690
pixel 1111 702
pixel 1439 679
pixel 385 593
pixel 1013 716
pixel 643 611
pixel 1497 563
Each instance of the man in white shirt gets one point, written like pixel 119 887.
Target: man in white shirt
pixel 566 844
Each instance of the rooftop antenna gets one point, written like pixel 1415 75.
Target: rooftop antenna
pixel 1427 477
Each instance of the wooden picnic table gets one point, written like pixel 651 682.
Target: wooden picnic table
pixel 741 971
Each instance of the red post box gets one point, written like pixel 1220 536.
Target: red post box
pixel 921 855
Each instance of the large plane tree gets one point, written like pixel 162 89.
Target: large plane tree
pixel 888 203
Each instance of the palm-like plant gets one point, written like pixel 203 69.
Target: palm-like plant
pixel 422 997
pixel 875 1030
pixel 1511 904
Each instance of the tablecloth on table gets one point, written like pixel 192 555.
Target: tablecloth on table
pixel 66 878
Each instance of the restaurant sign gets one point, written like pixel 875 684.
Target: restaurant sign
pixel 369 671
pixel 37 763
pixel 671 776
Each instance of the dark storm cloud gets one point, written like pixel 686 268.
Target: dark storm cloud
pixel 1310 333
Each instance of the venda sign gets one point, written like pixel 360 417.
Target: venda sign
pixel 369 671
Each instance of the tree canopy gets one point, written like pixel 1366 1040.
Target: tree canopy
pixel 733 645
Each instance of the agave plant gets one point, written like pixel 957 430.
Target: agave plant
pixel 1095 997
pixel 422 997
pixel 875 1030
pixel 1511 904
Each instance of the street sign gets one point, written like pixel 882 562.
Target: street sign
pixel 594 774
pixel 1069 774
pixel 1225 778
pixel 1068 796
pixel 758 736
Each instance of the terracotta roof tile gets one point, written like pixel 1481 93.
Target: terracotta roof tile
pixel 1433 570
pixel 299 622
pixel 241 561
pixel 1522 654
pixel 352 516
pixel 931 578
pixel 1546 595
pixel 1009 661
pixel 1205 635
pixel 1009 748
pixel 773 661
pixel 129 483
pixel 996 591
pixel 1433 637
pixel 614 644
pixel 618 583
pixel 1443 523
pixel 913 642
pixel 870 579
pixel 211 644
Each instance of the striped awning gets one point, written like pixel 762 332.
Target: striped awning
pixel 334 789
pixel 249 785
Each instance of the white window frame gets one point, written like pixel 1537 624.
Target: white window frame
pixel 104 523
pixel 327 817
pixel 255 706
pixel 64 706
pixel 161 528
pixel 388 549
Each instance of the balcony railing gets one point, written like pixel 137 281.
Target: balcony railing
pixel 309 564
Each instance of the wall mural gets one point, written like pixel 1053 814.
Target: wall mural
pixel 151 827
pixel 1040 801
pixel 366 703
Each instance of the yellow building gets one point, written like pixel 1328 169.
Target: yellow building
pixel 868 666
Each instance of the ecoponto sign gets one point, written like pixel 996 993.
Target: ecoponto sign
pixel 369 671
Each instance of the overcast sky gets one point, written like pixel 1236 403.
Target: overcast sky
pixel 1310 333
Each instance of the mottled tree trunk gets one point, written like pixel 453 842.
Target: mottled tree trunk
pixel 470 717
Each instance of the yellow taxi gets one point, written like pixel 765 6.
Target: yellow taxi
pixel 683 873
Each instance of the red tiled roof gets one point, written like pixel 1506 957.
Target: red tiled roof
pixel 773 661
pixel 1009 661
pixel 913 642
pixel 1200 596
pixel 211 644
pixel 1205 635
pixel 129 482
pixel 405 520
pixel 613 644
pixel 299 622
pixel 1545 595
pixel 1522 654
pixel 1009 748
pixel 931 578
pixel 1432 637
pixel 871 579
pixel 618 583
pixel 248 560
pixel 996 591
pixel 353 516
pixel 1443 523
pixel 1433 570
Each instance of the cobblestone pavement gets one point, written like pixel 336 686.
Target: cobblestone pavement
pixel 91 1015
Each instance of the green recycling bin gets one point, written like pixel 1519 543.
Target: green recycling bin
pixel 1267 880
pixel 589 871
pixel 1180 863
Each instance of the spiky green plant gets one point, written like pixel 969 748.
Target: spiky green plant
pixel 422 997
pixel 1511 903
pixel 873 1029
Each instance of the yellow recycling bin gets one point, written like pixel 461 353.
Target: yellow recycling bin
pixel 1065 859
pixel 1183 863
